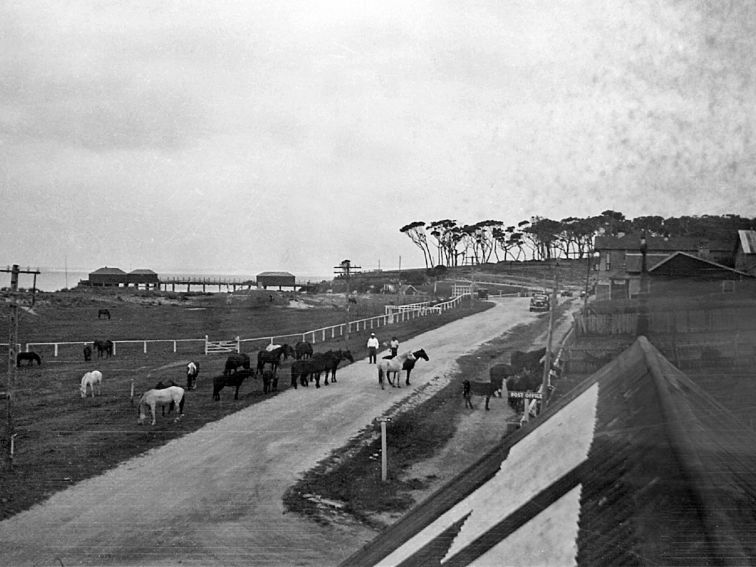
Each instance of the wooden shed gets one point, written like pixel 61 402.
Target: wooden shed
pixel 143 277
pixel 275 279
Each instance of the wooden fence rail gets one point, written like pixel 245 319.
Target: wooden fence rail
pixel 314 336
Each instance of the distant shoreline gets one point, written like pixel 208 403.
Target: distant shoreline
pixel 58 280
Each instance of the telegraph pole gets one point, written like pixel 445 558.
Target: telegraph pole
pixel 345 269
pixel 547 359
pixel 12 342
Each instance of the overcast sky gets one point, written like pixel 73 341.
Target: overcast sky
pixel 248 136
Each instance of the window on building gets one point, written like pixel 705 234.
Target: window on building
pixel 608 261
pixel 728 286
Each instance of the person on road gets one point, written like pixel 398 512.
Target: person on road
pixel 394 346
pixel 372 346
pixel 467 394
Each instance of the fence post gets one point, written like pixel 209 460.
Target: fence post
pixel 238 344
pixel 145 347
pixel 174 346
pixel 56 350
pixel 114 347
pixel 205 344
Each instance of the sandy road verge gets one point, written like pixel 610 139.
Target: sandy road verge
pixel 213 497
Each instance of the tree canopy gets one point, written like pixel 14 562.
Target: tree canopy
pixel 541 238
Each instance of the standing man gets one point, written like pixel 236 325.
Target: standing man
pixel 372 346
pixel 394 346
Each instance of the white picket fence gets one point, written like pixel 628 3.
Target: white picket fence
pixel 397 314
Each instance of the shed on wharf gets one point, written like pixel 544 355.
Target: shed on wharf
pixel 143 277
pixel 106 277
pixel 273 279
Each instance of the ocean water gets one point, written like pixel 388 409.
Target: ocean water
pixel 57 279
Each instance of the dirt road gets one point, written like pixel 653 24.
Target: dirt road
pixel 214 497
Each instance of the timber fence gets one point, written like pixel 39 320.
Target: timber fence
pixel 400 314
pixel 685 321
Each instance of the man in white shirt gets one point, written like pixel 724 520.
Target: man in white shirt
pixel 372 346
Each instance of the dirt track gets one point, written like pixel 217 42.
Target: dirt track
pixel 214 497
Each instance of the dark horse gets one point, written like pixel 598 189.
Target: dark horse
pixel 304 370
pixel 103 313
pixel 409 364
pixel 270 381
pixel 235 361
pixel 273 357
pixel 333 358
pixel 235 379
pixel 104 348
pixel 530 360
pixel 87 353
pixel 302 350
pixel 29 357
pixel 498 374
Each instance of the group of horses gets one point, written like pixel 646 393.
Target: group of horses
pixel 104 348
pixel 306 370
pixel 238 368
pixel 524 373
pixel 308 366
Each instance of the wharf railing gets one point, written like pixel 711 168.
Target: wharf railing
pixel 188 346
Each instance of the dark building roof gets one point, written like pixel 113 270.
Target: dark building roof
pixel 108 272
pixel 142 272
pixel 671 244
pixel 682 264
pixel 275 275
pixel 637 465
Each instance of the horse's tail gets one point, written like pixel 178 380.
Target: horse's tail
pixel 181 403
pixel 380 374
pixel 139 404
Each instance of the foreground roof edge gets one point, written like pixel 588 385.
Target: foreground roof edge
pixel 704 482
pixel 466 482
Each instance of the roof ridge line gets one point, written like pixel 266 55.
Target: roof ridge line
pixel 688 457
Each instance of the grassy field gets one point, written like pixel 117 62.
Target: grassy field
pixel 62 438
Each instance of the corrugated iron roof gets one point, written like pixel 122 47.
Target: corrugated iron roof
pixel 636 465
pixel 747 241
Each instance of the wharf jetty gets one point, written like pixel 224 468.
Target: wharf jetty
pixel 203 282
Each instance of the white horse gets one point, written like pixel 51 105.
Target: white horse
pixel 91 379
pixel 393 366
pixel 405 361
pixel 163 397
